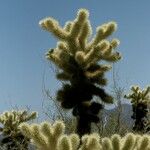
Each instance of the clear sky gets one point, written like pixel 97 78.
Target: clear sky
pixel 23 44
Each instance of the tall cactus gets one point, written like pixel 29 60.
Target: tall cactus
pixel 78 61
pixel 140 100
pixel 12 137
pixel 51 137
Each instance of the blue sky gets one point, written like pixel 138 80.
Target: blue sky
pixel 23 44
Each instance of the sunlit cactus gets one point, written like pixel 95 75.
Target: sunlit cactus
pixel 50 137
pixel 140 100
pixel 90 142
pixel 12 137
pixel 77 58
pixel 46 136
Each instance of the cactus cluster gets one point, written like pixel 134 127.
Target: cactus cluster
pixel 51 137
pixel 77 58
pixel 10 121
pixel 140 100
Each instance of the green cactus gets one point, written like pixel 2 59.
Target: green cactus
pixel 140 100
pixel 51 137
pixel 78 61
pixel 10 121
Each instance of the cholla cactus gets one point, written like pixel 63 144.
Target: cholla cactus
pixel 140 100
pixel 77 58
pixel 51 137
pixel 10 121
pixel 90 142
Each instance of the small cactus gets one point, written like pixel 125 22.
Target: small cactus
pixel 140 100
pixel 10 130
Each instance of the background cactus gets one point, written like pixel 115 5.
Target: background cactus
pixel 13 138
pixel 51 137
pixel 140 100
pixel 77 59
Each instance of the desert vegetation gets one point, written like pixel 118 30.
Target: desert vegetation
pixel 80 121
